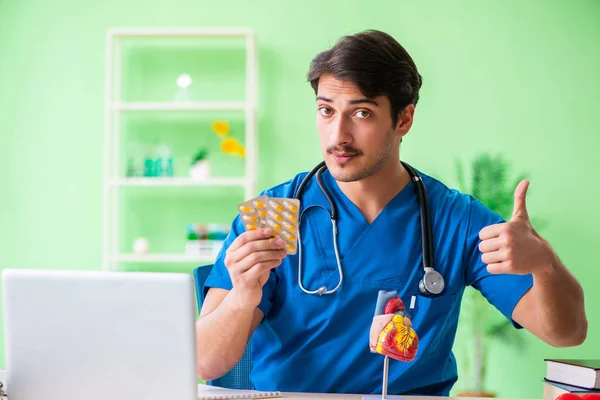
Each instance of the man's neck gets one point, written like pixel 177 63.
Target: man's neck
pixel 372 194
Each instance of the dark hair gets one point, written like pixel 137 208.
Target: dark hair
pixel 376 63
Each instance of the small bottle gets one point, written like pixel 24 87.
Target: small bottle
pixel 167 160
pixel 130 171
pixel 163 163
pixel 157 164
pixel 169 168
pixel 148 165
pixel 202 232
pixel 192 244
pixel 135 161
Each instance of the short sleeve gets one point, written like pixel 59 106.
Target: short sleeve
pixel 503 291
pixel 219 276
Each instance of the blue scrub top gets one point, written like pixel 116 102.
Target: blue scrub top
pixel 310 343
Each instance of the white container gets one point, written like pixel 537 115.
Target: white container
pixel 203 247
pixel 141 246
pixel 200 171
pixel 193 248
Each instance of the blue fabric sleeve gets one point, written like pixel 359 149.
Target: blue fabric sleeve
pixel 503 291
pixel 219 275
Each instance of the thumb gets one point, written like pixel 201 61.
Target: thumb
pixel 520 207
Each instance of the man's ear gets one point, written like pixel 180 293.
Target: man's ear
pixel 405 120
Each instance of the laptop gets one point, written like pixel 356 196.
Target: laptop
pixel 73 335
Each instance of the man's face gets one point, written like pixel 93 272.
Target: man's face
pixel 356 133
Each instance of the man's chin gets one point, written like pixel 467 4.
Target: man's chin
pixel 345 174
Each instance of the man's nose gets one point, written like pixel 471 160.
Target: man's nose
pixel 341 131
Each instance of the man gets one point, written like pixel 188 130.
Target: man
pixel 367 87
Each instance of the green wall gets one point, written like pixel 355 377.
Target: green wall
pixel 518 78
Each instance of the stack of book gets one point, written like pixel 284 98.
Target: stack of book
pixel 578 377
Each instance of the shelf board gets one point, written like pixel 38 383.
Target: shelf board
pixel 122 32
pixel 164 258
pixel 164 182
pixel 181 106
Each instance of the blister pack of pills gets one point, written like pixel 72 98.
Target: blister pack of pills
pixel 253 213
pixel 279 214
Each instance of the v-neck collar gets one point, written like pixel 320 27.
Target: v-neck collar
pixel 339 197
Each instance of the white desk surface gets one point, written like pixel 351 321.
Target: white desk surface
pixel 204 389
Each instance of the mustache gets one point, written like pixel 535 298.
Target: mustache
pixel 344 149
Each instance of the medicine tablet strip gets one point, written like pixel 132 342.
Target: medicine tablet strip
pixel 253 213
pixel 282 217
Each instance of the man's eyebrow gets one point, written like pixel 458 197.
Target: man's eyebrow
pixel 351 102
pixel 364 100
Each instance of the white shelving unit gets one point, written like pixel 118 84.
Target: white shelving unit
pixel 162 182
pixel 162 258
pixel 212 106
pixel 114 109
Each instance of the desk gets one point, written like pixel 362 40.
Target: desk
pixel 332 396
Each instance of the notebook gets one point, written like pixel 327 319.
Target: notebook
pixel 582 373
pixel 552 390
pixel 207 392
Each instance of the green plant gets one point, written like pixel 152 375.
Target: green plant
pixel 479 323
pixel 200 155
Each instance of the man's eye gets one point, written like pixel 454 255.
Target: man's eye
pixel 363 114
pixel 325 111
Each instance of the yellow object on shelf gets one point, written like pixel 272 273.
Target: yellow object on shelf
pixel 229 145
pixel 221 128
pixel 232 147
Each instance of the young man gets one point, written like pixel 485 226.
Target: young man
pixel 367 87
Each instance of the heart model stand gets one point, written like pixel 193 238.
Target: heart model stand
pixel 392 334
pixel 384 385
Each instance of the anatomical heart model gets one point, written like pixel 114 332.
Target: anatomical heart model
pixel 392 334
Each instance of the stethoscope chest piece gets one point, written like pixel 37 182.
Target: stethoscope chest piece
pixel 432 283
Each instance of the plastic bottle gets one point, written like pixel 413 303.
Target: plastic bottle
pixel 130 172
pixel 148 165
pixel 192 244
pixel 163 163
pixel 168 162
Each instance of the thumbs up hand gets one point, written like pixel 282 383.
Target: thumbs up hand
pixel 514 247
pixel 520 207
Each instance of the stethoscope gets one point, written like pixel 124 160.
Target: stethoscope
pixel 432 283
